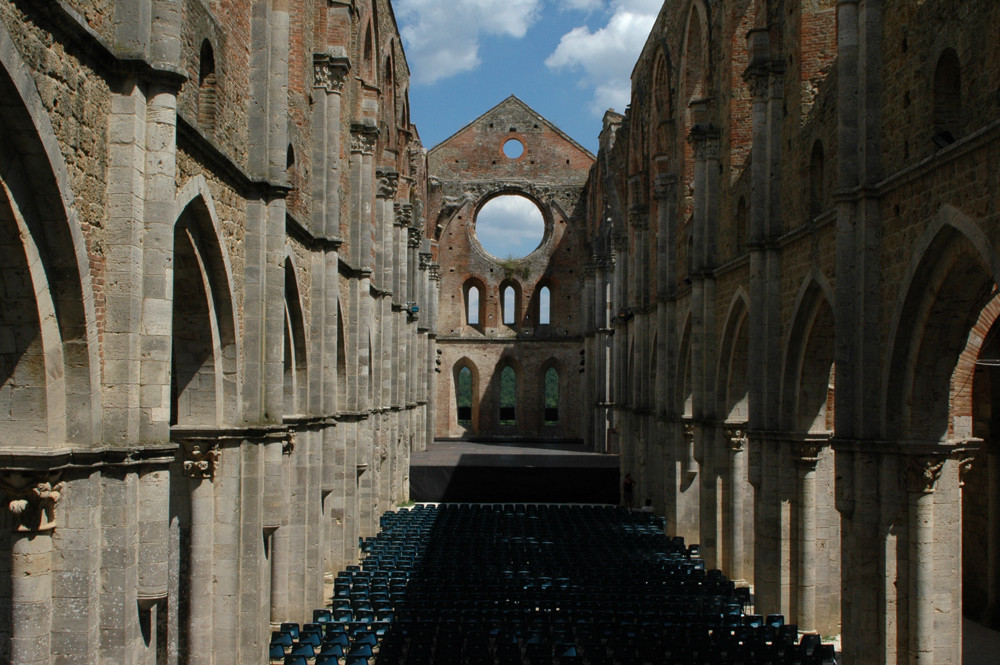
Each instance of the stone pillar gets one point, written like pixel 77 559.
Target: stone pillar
pixel 807 459
pixel 31 499
pixel 735 545
pixel 922 474
pixel 200 459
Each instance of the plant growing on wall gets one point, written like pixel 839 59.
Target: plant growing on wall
pixel 513 266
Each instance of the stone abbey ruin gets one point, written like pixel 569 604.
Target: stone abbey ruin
pixel 238 293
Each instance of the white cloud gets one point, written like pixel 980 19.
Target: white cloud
pixel 581 5
pixel 510 226
pixel 442 36
pixel 606 56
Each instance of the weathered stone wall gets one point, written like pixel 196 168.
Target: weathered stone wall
pixel 812 182
pixel 466 171
pixel 205 402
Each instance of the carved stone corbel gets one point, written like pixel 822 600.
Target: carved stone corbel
pixel 32 499
pixel 363 139
pixel 388 184
pixel 922 473
pixel 736 438
pixel 199 459
pixel 330 72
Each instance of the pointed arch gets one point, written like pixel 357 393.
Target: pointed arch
pixel 542 303
pixel 205 387
pixel 950 282
pixel 54 356
pixel 685 396
pixel 465 379
pixel 947 98
pixel 207 87
pixel 295 363
pixel 733 378
pixel 662 97
pixel 474 299
pixel 551 391
pixel 808 376
pixel 510 302
pixel 508 394
pixel 341 359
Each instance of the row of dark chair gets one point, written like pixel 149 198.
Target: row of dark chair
pixel 522 584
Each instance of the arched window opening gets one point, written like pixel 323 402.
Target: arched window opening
pixel 661 86
pixel 741 226
pixel 551 396
pixel 295 347
pixel 508 396
pixel 341 359
pixel 472 306
pixel 509 305
pixel 947 98
pixel 367 65
pixel 544 305
pixel 207 87
pixel 463 396
pixel 816 180
pixel 290 157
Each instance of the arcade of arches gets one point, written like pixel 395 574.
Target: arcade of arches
pixel 238 293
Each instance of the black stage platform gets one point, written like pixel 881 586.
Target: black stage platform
pixel 522 471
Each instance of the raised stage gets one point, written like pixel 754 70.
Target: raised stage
pixel 521 471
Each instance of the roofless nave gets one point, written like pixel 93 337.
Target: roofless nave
pixel 227 279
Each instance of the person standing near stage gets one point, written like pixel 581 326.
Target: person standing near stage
pixel 628 491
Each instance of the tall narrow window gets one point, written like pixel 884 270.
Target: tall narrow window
pixel 207 83
pixel 463 396
pixel 551 396
pixel 544 303
pixel 509 305
pixel 508 396
pixel 816 180
pixel 947 98
pixel 472 306
pixel 741 226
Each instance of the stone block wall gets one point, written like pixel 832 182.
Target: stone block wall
pixel 819 384
pixel 207 400
pixel 466 171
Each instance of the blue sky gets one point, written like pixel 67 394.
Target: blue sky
pixel 570 60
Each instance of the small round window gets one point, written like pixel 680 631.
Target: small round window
pixel 510 226
pixel 513 148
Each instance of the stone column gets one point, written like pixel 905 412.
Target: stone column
pixel 807 459
pixel 199 462
pixel 735 546
pixel 922 475
pixel 31 499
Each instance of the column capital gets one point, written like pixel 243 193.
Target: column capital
pixel 388 183
pixel 199 459
pixel 665 186
pixel 363 138
pixel 808 452
pixel 404 213
pixel 923 472
pixel 736 437
pixel 414 237
pixel 32 499
pixel 330 71
pixel 638 217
